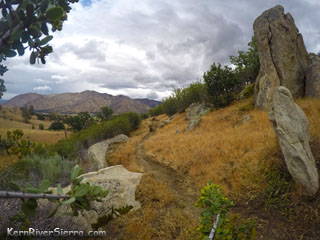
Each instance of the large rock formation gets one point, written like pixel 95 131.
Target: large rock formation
pixel 194 114
pixel 313 77
pixel 97 152
pixel 283 56
pixel 291 127
pixel 121 185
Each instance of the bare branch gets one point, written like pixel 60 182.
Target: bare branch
pixel 7 194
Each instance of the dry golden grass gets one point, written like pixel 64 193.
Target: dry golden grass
pixel 159 218
pixel 10 119
pixel 125 152
pixel 311 107
pixel 221 149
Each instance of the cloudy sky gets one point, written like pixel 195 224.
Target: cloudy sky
pixel 145 48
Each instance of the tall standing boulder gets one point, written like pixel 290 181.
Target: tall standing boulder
pixel 291 128
pixel 283 57
pixel 313 77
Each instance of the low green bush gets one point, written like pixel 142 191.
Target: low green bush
pixel 35 168
pixel 56 126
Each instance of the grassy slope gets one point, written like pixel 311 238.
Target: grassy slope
pixel 10 119
pixel 230 153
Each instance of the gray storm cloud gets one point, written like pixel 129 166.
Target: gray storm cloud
pixel 145 48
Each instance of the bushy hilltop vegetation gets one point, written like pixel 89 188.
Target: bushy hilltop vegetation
pixel 221 84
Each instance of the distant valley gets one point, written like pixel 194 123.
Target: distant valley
pixel 87 101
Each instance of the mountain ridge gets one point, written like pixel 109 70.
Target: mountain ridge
pixel 86 101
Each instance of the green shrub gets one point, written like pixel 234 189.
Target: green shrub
pixel 181 99
pixel 158 110
pixel 65 148
pixel 35 168
pixel 247 92
pixel 215 203
pixel 134 119
pixel 221 84
pixel 56 126
pixel 41 126
pixel 144 115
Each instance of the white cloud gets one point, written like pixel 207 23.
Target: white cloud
pixel 42 88
pixel 142 48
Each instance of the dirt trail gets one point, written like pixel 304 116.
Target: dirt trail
pixel 181 187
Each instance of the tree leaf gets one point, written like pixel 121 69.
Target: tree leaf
pixel 45 40
pixel 55 13
pixel 59 189
pixel 82 190
pixel 9 53
pixel 28 211
pixel 45 184
pixel 44 5
pixel 24 37
pixel 76 171
pixel 69 201
pixel 33 57
pixel 29 207
pixel 44 28
pixel 30 9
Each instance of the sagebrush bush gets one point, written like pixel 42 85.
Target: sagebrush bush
pixel 181 99
pixel 35 168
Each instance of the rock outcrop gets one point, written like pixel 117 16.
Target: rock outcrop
pixel 97 152
pixel 121 185
pixel 194 114
pixel 313 77
pixel 291 128
pixel 154 125
pixel 283 57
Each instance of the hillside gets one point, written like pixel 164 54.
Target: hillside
pixel 238 155
pixel 87 101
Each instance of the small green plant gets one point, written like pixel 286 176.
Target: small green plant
pixel 277 193
pixel 79 197
pixel 214 217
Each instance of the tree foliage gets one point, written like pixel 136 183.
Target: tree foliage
pixel 13 144
pixel 56 126
pixel 105 113
pixel 81 121
pixel 25 23
pixel 221 84
pixel 27 112
pixel 2 88
pixel 247 63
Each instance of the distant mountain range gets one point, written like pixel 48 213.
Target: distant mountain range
pixel 87 101
pixel 2 101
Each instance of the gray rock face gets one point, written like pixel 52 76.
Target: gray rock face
pixel 121 185
pixel 97 152
pixel 194 114
pixel 313 77
pixel 291 128
pixel 283 57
